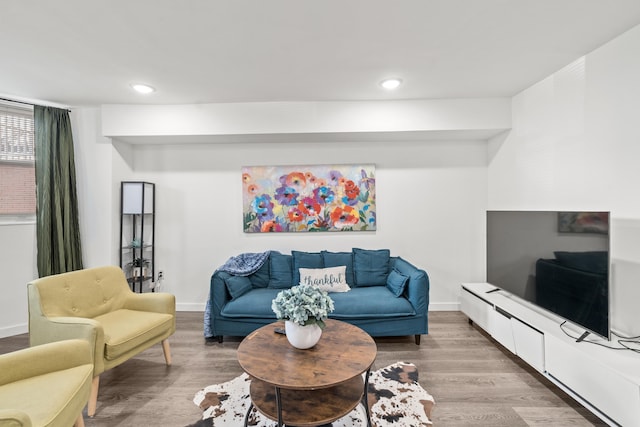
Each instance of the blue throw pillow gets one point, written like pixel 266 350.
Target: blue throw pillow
pixel 260 278
pixel 279 270
pixel 371 267
pixel 238 285
pixel 305 260
pixel 337 259
pixel 397 282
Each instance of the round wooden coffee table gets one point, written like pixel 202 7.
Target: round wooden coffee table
pixel 308 387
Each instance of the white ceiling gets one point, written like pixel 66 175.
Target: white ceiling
pixel 88 52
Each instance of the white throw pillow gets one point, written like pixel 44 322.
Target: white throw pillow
pixel 330 279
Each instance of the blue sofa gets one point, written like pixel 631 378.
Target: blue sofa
pixel 388 296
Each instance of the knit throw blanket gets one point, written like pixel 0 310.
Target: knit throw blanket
pixel 245 264
pixel 239 265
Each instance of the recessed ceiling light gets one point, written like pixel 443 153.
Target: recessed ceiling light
pixel 391 83
pixel 142 88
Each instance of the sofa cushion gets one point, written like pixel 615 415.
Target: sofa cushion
pixel 254 305
pixel 238 285
pixel 126 330
pixel 397 282
pixel 371 267
pixel 304 260
pixel 372 302
pixel 329 279
pixel 359 303
pixel 336 259
pixel 280 273
pixel 260 279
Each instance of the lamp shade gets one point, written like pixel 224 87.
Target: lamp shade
pixel 137 198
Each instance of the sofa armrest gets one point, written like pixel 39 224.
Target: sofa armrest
pixel 51 329
pixel 219 294
pixel 155 302
pixel 14 418
pixel 417 291
pixel 218 297
pixel 43 359
pixel 158 302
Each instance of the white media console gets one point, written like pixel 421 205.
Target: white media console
pixel 605 381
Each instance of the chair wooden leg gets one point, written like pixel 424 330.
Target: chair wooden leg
pixel 79 421
pixel 93 397
pixel 167 351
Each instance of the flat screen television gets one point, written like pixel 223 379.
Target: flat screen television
pixel 558 261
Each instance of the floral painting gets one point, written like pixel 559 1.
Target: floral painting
pixel 583 222
pixel 309 198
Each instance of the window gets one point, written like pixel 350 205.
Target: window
pixel 17 170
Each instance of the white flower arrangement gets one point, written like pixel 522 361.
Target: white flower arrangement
pixel 303 305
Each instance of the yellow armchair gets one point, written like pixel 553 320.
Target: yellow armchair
pixel 97 305
pixel 47 385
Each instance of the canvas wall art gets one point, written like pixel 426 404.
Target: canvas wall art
pixel 583 222
pixel 308 198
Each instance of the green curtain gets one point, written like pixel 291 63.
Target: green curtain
pixel 57 224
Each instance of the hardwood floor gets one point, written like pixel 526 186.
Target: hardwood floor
pixel 474 381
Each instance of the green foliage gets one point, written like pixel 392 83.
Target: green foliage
pixel 303 304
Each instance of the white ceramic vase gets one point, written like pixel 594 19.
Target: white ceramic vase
pixel 302 337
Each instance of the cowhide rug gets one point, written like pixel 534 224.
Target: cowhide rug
pixel 395 398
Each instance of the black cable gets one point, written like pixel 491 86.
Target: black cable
pixel 624 347
pixel 624 337
pixel 623 343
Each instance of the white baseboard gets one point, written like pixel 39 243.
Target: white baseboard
pixel 191 306
pixel 10 331
pixel 444 306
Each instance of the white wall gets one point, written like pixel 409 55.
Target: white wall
pixel 18 266
pixel 94 179
pixel 430 203
pixel 574 145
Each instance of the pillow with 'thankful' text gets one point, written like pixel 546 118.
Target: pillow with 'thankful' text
pixel 330 279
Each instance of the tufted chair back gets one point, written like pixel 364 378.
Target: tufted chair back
pixel 84 293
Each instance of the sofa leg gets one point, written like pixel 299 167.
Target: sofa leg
pixel 93 397
pixel 167 351
pixel 79 421
pixel 417 339
pixel 213 340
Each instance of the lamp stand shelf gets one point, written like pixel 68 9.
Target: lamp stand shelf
pixel 137 233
